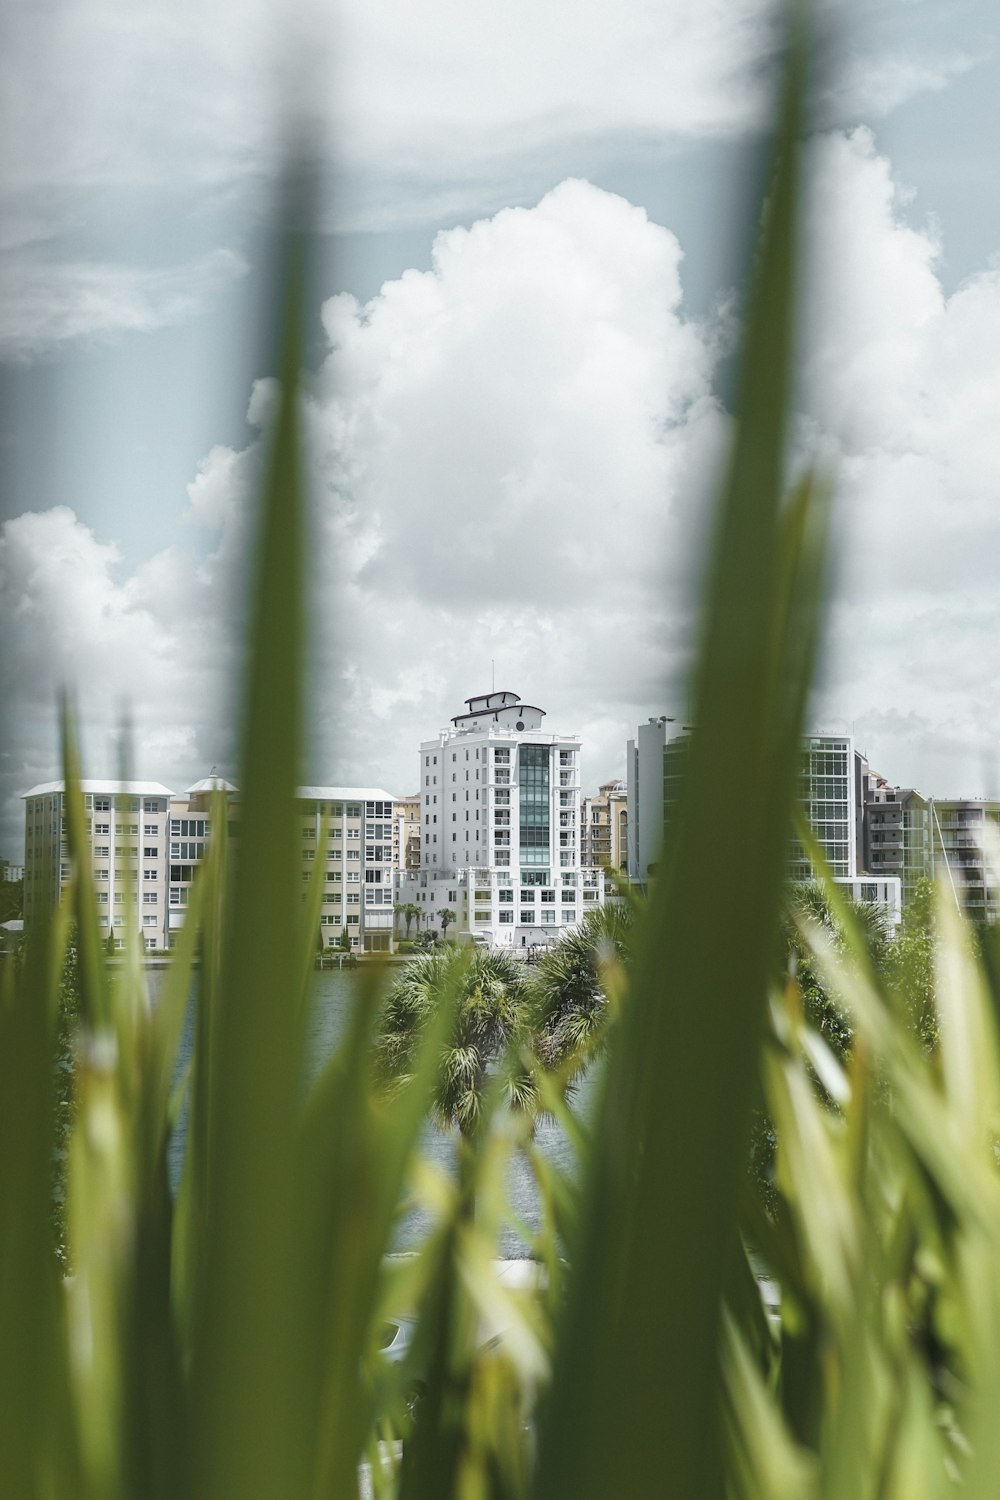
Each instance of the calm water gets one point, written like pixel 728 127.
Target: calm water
pixel 328 1019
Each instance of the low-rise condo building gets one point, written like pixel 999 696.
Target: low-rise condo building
pixel 146 846
pixel 125 824
pixel 604 829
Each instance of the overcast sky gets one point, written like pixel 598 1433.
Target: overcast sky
pixel 519 331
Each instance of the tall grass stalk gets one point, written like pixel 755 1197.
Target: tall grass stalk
pixel 221 1341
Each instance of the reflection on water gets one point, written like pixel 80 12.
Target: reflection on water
pixel 327 1022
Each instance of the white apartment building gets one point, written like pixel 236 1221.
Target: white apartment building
pixel 125 823
pixel 500 834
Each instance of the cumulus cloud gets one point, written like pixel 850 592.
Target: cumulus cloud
pixel 500 450
pixel 510 454
pixel 152 644
pixel 903 384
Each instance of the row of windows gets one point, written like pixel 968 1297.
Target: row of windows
pixel 94 803
pixel 149 898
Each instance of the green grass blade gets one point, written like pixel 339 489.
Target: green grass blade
pixel 636 1388
pixel 37 1433
pixel 250 1406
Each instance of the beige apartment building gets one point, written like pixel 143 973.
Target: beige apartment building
pixel 348 831
pixel 125 823
pixel 146 846
pixel 604 829
pixel 406 815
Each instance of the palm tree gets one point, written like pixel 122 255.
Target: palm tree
pixel 569 1005
pixel 447 916
pixel 408 911
pixel 491 1021
pixel 807 904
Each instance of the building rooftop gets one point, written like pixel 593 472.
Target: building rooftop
pixel 210 783
pixel 345 794
pixel 112 788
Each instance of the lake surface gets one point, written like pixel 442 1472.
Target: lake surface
pixel 329 1015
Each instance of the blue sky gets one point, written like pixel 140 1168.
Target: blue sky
pixel 492 481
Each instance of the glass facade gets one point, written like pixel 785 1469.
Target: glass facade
pixel 825 791
pixel 534 780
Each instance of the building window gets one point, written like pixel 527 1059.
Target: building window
pixel 568 916
pixel 149 874
pixel 507 916
pixel 150 898
pixel 527 917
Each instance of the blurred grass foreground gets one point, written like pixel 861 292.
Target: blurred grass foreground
pixel 225 1341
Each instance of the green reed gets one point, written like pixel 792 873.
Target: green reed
pixel 220 1342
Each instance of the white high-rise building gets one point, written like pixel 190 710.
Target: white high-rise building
pixel 499 832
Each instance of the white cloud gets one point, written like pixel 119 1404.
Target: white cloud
pixel 45 302
pixel 193 91
pixel 905 384
pixel 869 87
pixel 510 454
pixel 151 645
pixel 502 448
